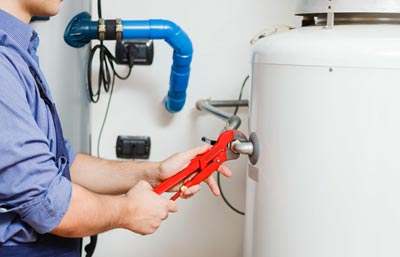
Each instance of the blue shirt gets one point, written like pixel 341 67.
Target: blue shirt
pixel 34 195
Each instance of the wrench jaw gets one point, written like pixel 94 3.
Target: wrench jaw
pixel 239 138
pixel 231 155
pixel 238 135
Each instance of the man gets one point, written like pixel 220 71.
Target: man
pixel 50 196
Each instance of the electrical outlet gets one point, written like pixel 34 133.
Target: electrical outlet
pixel 133 147
pixel 138 52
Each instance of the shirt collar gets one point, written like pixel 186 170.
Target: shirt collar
pixel 20 32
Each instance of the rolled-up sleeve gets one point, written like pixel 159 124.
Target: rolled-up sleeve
pixel 45 212
pixel 31 181
pixel 71 152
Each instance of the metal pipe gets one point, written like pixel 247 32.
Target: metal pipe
pixel 232 121
pixel 206 106
pixel 242 147
pixel 229 103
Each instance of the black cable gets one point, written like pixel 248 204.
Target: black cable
pixel 107 60
pixel 223 196
pixel 219 174
pixel 99 12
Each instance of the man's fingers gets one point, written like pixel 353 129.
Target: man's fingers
pixel 213 186
pixel 191 191
pixel 225 171
pixel 190 154
pixel 210 182
pixel 172 206
pixel 165 216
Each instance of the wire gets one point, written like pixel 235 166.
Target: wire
pixel 105 116
pixel 223 196
pixel 107 61
pixel 99 12
pixel 219 174
pixel 241 93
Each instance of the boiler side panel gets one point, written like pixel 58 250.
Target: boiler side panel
pixel 328 181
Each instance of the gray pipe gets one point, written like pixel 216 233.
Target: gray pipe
pixel 232 121
pixel 229 103
pixel 242 147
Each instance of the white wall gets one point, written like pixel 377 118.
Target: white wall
pixel 64 68
pixel 220 32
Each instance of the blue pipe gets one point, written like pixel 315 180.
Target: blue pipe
pixel 81 30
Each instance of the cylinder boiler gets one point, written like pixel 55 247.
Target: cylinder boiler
pixel 325 106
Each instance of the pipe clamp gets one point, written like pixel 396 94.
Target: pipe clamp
pixel 102 29
pixel 118 29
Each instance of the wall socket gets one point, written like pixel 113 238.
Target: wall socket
pixel 133 147
pixel 137 52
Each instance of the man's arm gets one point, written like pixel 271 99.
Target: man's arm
pixel 140 211
pixel 110 177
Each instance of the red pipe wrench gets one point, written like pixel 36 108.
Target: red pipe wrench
pixel 204 164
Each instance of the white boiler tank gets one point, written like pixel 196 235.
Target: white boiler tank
pixel 325 106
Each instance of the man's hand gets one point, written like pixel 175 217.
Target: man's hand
pixel 146 210
pixel 179 161
pixel 141 210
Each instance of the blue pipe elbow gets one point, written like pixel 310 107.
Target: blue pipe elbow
pixel 81 30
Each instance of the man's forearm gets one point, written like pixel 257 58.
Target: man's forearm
pixel 110 177
pixel 140 211
pixel 90 213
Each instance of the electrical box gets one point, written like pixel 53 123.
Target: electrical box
pixel 138 52
pixel 133 147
